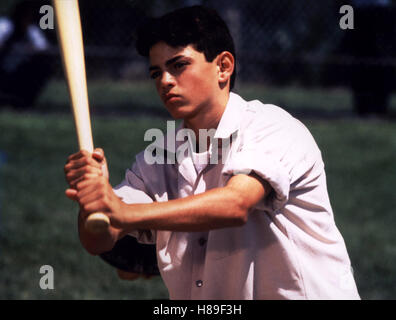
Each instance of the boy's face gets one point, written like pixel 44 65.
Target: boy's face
pixel 185 81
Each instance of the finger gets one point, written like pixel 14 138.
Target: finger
pixel 81 162
pixel 89 194
pixel 91 191
pixel 87 176
pixel 98 154
pixel 71 194
pixel 78 155
pixel 95 206
pixel 73 178
pixel 76 173
pixel 96 180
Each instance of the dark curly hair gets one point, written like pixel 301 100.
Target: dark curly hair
pixel 198 26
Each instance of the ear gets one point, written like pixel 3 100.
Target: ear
pixel 225 67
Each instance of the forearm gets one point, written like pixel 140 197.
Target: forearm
pixel 216 208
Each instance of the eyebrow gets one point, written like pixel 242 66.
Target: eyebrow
pixel 167 63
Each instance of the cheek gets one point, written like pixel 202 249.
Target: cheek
pixel 158 85
pixel 200 81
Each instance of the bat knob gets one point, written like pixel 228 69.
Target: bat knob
pixel 97 223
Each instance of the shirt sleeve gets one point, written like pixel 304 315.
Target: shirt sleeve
pixel 264 149
pixel 132 190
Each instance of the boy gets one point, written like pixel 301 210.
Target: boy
pixel 251 222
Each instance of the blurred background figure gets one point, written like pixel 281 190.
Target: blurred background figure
pixel 372 76
pixel 24 67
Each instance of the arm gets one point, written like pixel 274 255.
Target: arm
pixel 217 208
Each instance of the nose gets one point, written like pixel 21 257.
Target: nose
pixel 167 81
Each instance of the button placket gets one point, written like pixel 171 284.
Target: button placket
pixel 199 253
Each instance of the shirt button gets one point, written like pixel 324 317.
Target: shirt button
pixel 202 241
pixel 199 283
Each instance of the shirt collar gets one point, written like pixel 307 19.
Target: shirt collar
pixel 230 120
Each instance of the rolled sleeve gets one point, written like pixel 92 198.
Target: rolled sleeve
pixel 265 150
pixel 248 161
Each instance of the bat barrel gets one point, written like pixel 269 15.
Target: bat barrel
pixel 71 42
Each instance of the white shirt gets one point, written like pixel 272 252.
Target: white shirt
pixel 290 247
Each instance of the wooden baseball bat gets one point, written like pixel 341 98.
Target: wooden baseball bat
pixel 72 50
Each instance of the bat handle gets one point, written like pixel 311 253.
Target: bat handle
pixel 97 223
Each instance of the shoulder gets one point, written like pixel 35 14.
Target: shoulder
pixel 258 116
pixel 274 126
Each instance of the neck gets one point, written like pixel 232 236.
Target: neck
pixel 208 117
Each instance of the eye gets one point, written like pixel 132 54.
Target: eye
pixel 180 64
pixel 155 74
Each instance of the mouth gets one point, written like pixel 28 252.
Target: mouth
pixel 171 97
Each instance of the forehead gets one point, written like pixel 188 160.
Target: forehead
pixel 161 52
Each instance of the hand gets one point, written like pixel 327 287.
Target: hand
pixel 84 165
pixel 95 194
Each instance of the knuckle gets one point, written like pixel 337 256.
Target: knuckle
pixel 94 163
pixel 102 195
pixel 92 169
pixel 84 162
pixel 79 185
pixel 86 176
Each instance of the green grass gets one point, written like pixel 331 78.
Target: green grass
pixel 361 171
pixel 38 224
pixel 107 96
pixel 104 96
pixel 295 98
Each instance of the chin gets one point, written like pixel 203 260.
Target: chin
pixel 179 111
pixel 177 115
